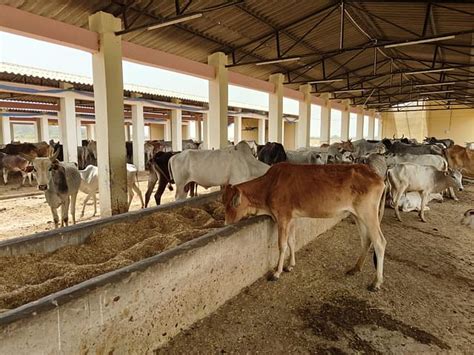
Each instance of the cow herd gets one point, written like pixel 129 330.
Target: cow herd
pixel 356 177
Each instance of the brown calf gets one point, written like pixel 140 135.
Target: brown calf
pixel 288 191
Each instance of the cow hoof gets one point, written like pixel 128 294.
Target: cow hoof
pixel 273 277
pixel 288 269
pixel 373 288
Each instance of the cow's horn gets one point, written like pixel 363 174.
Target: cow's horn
pixel 54 156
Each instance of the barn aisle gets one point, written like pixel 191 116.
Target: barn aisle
pixel 425 304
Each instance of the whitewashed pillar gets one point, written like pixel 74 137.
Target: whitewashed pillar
pixel 345 119
pixel 176 128
pixel 360 123
pixel 5 132
pixel 325 120
pixel 43 128
pixel 68 125
pixel 138 122
pixel 304 119
pixel 218 102
pixel 275 109
pixel 237 129
pixel 108 102
pixel 371 124
pixel 205 131
pixel 91 131
pixel 167 130
pixel 261 131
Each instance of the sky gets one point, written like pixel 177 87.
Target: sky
pixel 43 55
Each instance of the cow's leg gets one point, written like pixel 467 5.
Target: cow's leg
pixel 54 212
pixel 130 195
pixel 399 191
pixel 5 176
pixel 424 199
pixel 181 192
pixel 84 204
pixel 282 245
pixel 65 212
pixel 73 207
pixel 152 178
pixel 365 246
pixel 29 179
pixel 452 194
pixel 291 245
pixel 370 220
pixel 23 178
pixel 139 193
pixel 160 190
pixel 94 198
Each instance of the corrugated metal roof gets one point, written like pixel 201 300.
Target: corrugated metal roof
pixel 80 79
pixel 248 31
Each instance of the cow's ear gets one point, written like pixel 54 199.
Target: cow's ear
pixel 236 199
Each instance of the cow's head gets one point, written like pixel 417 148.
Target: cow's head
pixel 236 204
pixel 42 169
pixel 455 178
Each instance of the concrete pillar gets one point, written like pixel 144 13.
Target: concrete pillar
pixel 261 131
pixel 167 131
pixel 78 132
pixel 371 124
pixel 199 129
pixel 237 129
pixel 126 132
pixel 176 128
pixel 325 120
pixel 304 119
pixel 5 132
pixel 91 131
pixel 68 125
pixel 275 109
pixel 345 121
pixel 218 101
pixel 108 101
pixel 205 131
pixel 360 123
pixel 138 122
pixel 186 129
pixel 43 128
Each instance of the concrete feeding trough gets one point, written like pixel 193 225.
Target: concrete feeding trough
pixel 138 308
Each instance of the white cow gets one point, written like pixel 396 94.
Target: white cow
pixel 411 201
pixel 304 157
pixel 231 165
pixel 363 148
pixel 408 177
pixel 60 183
pixel 90 185
pixel 436 161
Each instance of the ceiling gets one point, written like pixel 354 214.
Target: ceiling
pixel 343 41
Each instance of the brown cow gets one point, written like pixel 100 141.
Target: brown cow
pixel 462 159
pixel 288 191
pixel 41 149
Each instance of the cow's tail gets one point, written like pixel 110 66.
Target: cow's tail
pixel 382 201
pixel 171 180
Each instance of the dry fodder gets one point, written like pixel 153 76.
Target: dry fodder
pixel 29 277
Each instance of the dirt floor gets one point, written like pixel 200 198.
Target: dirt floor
pixel 26 278
pixel 426 304
pixel 24 211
